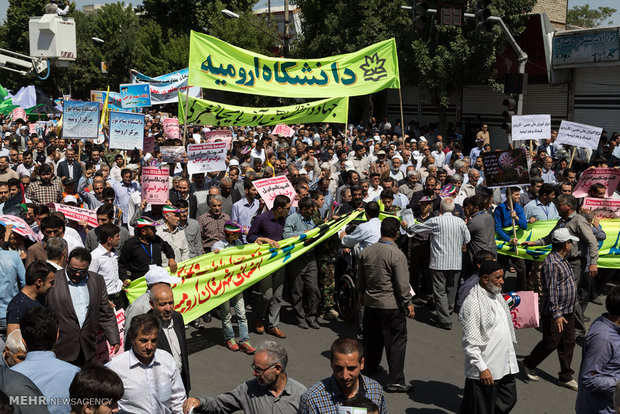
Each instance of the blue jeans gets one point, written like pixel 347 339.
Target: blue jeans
pixel 239 305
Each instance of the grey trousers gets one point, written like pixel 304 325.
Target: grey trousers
pixel 445 286
pixel 304 277
pixel 270 301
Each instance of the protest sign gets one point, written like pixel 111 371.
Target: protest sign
pixel 80 119
pixel 78 214
pixel 609 177
pixel 505 168
pixel 126 130
pixel 135 95
pixel 19 113
pixel 155 183
pixel 171 128
pixel 215 64
pixel 149 144
pixel 525 315
pixel 165 88
pixel 32 128
pixel 97 96
pixel 579 135
pixel 104 351
pixel 602 207
pixel 174 153
pixel 219 136
pixel 284 130
pixel 203 112
pixel 19 226
pixel 531 127
pixel 207 157
pixel 269 188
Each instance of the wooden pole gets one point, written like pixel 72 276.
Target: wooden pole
pixel 185 115
pixel 531 149
pixel 572 156
pixel 514 228
pixel 402 118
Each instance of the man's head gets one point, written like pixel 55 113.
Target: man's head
pixel 546 193
pixel 281 206
pixel 95 389
pixel 447 205
pixel 56 249
pixel 562 240
pixel 126 176
pixel 567 205
pixel 183 188
pixel 183 208
pixel 109 196
pixel 4 163
pixel 40 274
pixel 52 226
pixel 306 207
pixel 162 301
pixel 492 276
pixel 390 228
pixel 14 349
pixel 269 363
pixel 39 328
pixel 215 205
pixel 372 210
pixel 225 186
pixel 515 194
pixel 105 214
pixel 77 264
pixel 109 235
pixel 5 191
pixel 387 198
pixel 473 204
pixel 347 361
pixel 143 336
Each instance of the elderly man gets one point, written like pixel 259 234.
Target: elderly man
pixel 212 223
pixel 173 235
pixel 271 390
pixel 412 184
pixel 346 382
pixel 448 236
pixel 191 228
pixel 488 337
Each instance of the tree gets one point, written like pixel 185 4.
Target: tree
pixel 584 16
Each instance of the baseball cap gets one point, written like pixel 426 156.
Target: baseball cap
pixel 69 199
pixel 562 236
pixel 348 166
pixel 380 152
pixel 157 274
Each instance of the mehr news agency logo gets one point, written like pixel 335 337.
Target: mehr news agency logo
pixel 41 400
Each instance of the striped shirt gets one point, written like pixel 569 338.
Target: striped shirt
pixel 559 289
pixel 448 236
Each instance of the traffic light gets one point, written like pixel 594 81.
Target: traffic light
pixel 483 25
pixel 451 13
pixel 420 19
pixel 509 112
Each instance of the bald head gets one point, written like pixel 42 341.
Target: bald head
pixel 162 301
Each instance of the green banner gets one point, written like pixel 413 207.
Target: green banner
pixel 203 112
pixel 215 64
pixel 608 250
pixel 212 279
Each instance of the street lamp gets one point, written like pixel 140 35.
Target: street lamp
pixel 229 14
pixel 98 40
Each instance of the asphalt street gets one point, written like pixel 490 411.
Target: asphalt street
pixel 434 364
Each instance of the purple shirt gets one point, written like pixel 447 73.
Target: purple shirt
pixel 266 225
pixel 600 368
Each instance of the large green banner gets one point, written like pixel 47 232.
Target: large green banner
pixel 212 279
pixel 215 64
pixel 608 250
pixel 203 112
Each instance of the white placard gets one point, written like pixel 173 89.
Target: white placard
pixel 579 135
pixel 210 156
pixel 531 127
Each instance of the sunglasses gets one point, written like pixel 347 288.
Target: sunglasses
pixel 261 371
pixel 74 271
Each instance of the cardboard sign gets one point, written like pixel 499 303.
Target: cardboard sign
pixel 155 184
pixel 506 168
pixel 284 130
pixel 609 177
pixel 531 127
pixel 206 157
pixel 135 95
pixel 149 144
pixel 126 130
pixel 602 207
pixel 579 135
pixel 19 226
pixel 104 351
pixel 526 314
pixel 80 120
pixel 219 136
pixel 171 128
pixel 269 188
pixel 173 153
pixel 78 214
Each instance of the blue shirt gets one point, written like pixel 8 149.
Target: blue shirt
pixel 503 219
pixel 243 212
pixel 12 278
pixel 548 176
pixel 297 225
pixel 542 212
pixel 365 234
pixel 325 397
pixel 79 297
pixel 51 375
pixel 600 368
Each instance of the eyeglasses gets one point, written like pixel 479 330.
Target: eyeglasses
pixel 261 371
pixel 74 271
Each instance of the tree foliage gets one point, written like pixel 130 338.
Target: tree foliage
pixel 584 16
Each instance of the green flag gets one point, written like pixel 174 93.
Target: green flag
pixel 215 64
pixel 203 112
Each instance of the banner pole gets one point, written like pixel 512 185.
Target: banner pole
pixel 531 149
pixel 185 115
pixel 572 156
pixel 402 118
pixel 514 228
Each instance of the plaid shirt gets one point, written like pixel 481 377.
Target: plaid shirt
pixel 212 228
pixel 325 397
pixel 559 290
pixel 40 193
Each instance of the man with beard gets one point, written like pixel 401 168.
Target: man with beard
pixel 271 390
pixel 45 190
pixel 488 337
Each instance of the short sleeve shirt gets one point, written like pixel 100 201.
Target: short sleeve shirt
pixel 18 306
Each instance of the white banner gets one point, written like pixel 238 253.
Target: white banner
pixel 531 127
pixel 579 135
pixel 207 157
pixel 165 88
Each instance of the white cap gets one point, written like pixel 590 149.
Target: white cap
pixel 157 274
pixel 69 199
pixel 422 138
pixel 348 166
pixel 233 162
pixel 562 236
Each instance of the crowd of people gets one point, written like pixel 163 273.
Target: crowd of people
pixel 428 239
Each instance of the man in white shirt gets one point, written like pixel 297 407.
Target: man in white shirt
pixel 171 233
pixel 366 233
pixel 488 338
pixel 104 261
pixel 150 376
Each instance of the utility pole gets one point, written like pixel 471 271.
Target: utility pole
pixel 269 10
pixel 287 35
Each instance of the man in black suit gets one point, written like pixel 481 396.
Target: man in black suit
pixel 182 193
pixel 171 336
pixel 69 167
pixel 80 300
